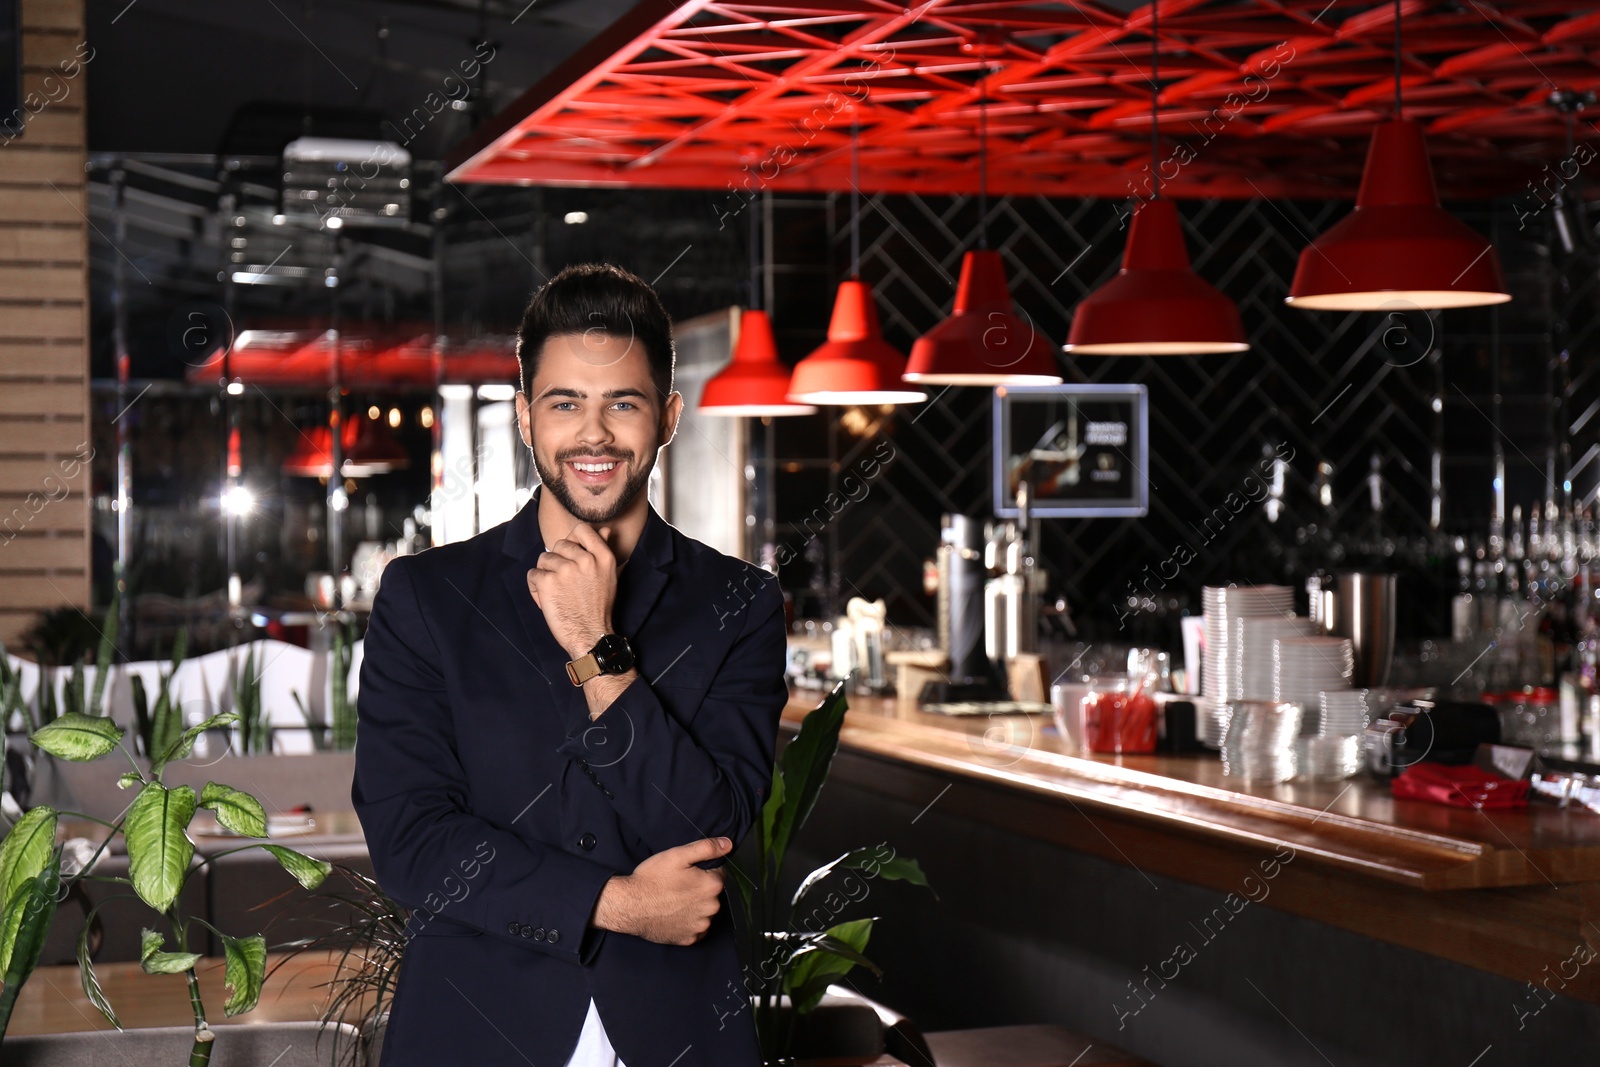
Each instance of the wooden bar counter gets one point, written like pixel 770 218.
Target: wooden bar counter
pixel 1512 893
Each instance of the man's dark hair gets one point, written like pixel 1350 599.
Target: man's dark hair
pixel 598 297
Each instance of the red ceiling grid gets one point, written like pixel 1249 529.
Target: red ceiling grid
pixel 1258 97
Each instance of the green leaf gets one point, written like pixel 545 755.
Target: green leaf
pixel 805 762
pixel 30 914
pixel 129 779
pixel 822 960
pixel 245 971
pixel 23 855
pixel 236 809
pixel 895 868
pixel 155 961
pixel 91 983
pixel 307 871
pixel 184 745
pixel 159 850
pixel 77 737
pixel 102 659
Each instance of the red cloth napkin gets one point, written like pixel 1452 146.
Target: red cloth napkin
pixel 1465 786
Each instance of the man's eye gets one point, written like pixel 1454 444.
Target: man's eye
pixel 562 405
pixel 625 405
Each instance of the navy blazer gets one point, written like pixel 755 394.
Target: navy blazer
pixel 496 809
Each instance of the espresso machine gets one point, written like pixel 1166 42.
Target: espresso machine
pixel 962 577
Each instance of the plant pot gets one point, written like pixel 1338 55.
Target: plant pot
pixel 252 1045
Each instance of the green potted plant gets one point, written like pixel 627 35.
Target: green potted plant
pixel 161 858
pixel 786 955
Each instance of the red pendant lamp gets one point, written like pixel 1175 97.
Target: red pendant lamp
pixel 1156 305
pixel 1399 247
pixel 313 456
pixel 755 382
pixel 369 449
pixel 983 342
pixel 855 365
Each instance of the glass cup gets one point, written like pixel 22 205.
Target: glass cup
pixel 1119 715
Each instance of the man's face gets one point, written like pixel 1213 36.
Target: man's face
pixel 594 422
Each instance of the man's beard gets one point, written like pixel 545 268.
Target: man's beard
pixel 594 514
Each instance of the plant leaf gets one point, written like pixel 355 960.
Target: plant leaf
pixel 895 868
pixel 831 955
pixel 91 983
pixel 236 809
pixel 245 971
pixel 79 738
pixel 23 855
pixel 102 658
pixel 184 745
pixel 30 914
pixel 159 850
pixel 805 762
pixel 307 871
pixel 155 961
pixel 129 779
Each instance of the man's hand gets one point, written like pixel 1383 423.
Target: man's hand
pixel 667 899
pixel 575 584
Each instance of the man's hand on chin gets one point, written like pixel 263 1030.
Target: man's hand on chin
pixel 575 585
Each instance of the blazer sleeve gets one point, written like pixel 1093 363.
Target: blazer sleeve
pixel 428 850
pixel 673 783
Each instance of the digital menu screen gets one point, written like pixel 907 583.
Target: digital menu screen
pixel 1082 448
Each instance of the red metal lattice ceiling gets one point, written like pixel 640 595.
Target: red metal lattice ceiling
pixel 1258 97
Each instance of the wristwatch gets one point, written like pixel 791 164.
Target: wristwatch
pixel 610 655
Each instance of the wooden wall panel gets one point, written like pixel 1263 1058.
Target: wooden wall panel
pixel 44 299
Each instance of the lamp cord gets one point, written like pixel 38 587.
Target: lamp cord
pixel 983 160
pixel 1155 97
pixel 1397 113
pixel 855 198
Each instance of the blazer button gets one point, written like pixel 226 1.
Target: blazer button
pixel 514 929
pixel 586 842
pixel 553 936
pixel 527 931
pixel 538 935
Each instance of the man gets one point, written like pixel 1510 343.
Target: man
pixel 564 731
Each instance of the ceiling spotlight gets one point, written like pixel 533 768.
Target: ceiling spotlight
pixel 575 218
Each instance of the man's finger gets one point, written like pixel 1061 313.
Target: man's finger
pixel 569 549
pixel 708 848
pixel 591 541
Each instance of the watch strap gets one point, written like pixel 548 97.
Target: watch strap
pixel 583 668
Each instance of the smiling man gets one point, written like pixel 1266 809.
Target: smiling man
pixel 562 735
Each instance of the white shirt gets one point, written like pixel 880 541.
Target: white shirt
pixel 594 1047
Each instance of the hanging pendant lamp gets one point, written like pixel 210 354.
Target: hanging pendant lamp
pixel 1156 305
pixel 855 365
pixel 1399 247
pixel 983 342
pixel 755 381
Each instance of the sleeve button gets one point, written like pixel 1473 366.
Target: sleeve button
pixel 539 935
pixel 527 931
pixel 553 936
pixel 513 929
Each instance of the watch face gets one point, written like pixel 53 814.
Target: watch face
pixel 613 654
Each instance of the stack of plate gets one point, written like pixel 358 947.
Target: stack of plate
pixel 1306 666
pixel 1210 721
pixel 1224 604
pixel 1252 652
pixel 1260 741
pixel 1344 711
pixel 1328 759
